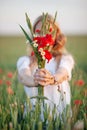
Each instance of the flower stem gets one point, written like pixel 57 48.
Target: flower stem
pixel 41 64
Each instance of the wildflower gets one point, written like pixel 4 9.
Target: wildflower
pixel 48 55
pixel 1 71
pixel 42 53
pixel 80 82
pixel 35 45
pixel 78 102
pixel 10 75
pixel 42 41
pixel 10 91
pixel 8 83
pixel 40 49
pixel 1 81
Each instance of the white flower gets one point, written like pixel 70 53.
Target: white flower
pixel 42 53
pixel 41 50
pixel 35 44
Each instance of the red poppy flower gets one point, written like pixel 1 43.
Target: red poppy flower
pixel 48 55
pixel 78 102
pixel 10 91
pixel 80 82
pixel 1 70
pixel 10 75
pixel 8 83
pixel 49 39
pixel 1 81
pixel 43 41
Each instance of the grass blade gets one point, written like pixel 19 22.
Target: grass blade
pixel 29 24
pixel 25 33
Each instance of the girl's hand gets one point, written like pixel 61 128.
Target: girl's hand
pixel 43 77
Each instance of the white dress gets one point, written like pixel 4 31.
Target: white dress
pixel 58 94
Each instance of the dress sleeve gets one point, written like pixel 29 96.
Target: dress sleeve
pixel 24 72
pixel 23 63
pixel 67 62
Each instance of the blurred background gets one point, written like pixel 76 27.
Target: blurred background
pixel 71 17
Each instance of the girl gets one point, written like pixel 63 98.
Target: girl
pixel 55 76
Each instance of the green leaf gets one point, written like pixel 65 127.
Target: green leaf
pixel 55 17
pixel 44 23
pixel 27 36
pixel 29 24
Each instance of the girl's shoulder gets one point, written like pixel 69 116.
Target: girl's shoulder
pixel 67 61
pixel 67 57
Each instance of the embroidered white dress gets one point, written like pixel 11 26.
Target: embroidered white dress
pixel 58 94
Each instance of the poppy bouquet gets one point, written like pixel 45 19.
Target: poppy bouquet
pixel 41 40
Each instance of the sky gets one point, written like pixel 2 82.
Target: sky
pixel 71 14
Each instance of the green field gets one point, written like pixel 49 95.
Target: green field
pixel 13 98
pixel 11 48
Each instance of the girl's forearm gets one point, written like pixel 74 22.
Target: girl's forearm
pixel 61 75
pixel 26 78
